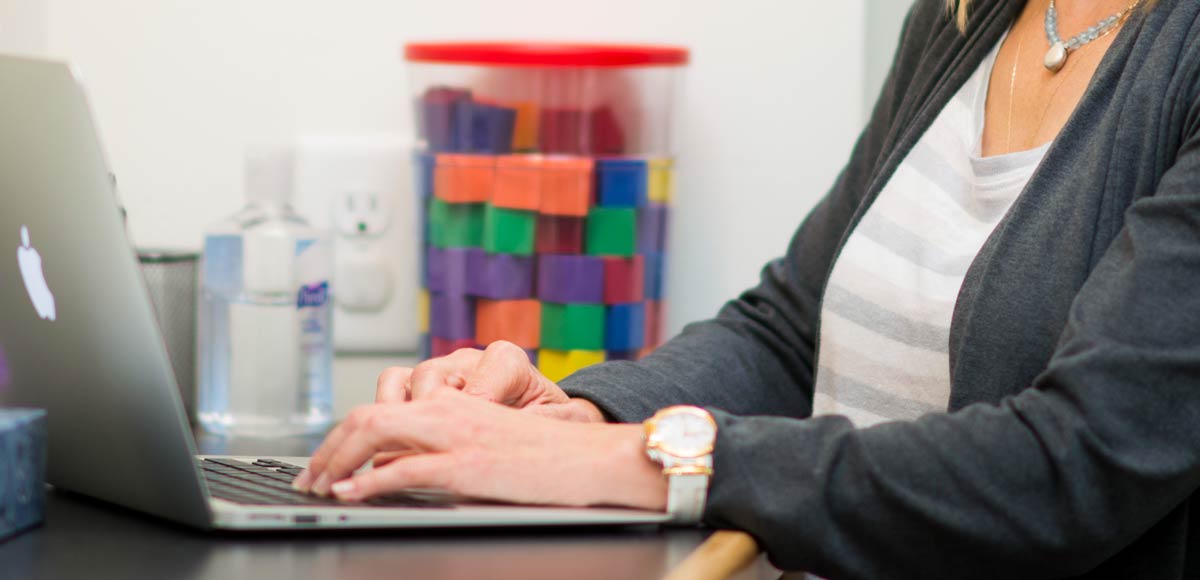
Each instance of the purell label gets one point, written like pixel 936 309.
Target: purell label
pixel 313 295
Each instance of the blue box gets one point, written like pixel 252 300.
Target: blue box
pixel 655 268
pixel 22 469
pixel 621 182
pixel 625 328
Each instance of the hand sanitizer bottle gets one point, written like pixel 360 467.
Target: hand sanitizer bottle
pixel 265 364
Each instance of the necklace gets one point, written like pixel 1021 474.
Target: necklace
pixel 1056 57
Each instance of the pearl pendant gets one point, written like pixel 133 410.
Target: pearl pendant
pixel 1056 57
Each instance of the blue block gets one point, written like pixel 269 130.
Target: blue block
pixel 621 182
pixel 655 269
pixel 625 327
pixel 484 128
pixel 22 469
pixel 423 164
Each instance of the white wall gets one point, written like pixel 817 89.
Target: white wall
pixel 884 19
pixel 773 100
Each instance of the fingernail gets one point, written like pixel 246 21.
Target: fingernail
pixel 302 481
pixel 344 487
pixel 321 487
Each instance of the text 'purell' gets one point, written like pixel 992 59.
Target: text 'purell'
pixel 313 296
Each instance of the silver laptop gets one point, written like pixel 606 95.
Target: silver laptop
pixel 79 339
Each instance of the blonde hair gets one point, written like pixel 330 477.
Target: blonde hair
pixel 959 9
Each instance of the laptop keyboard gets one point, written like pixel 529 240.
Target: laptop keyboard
pixel 269 482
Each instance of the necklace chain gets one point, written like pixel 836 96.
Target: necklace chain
pixel 1056 57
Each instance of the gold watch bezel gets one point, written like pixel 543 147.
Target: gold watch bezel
pixel 655 443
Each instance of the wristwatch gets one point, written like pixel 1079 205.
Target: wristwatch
pixel 681 439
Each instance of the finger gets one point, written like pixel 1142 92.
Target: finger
pixel 316 464
pixel 447 371
pixel 393 385
pixel 502 375
pixel 385 457
pixel 418 471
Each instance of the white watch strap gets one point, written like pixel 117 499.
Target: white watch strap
pixel 686 495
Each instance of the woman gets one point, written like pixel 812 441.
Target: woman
pixel 978 358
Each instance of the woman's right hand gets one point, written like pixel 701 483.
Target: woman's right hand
pixel 501 374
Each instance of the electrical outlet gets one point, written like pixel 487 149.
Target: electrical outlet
pixel 359 190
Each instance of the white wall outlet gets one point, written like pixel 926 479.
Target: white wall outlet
pixel 359 188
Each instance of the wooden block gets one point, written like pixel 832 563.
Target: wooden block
pixel 559 235
pixel 611 232
pixel 452 317
pixel 661 180
pixel 423 311
pixel 424 347
pixel 441 346
pixel 500 276
pixel 570 279
pixel 563 131
pixel 508 231
pixel 652 228
pixel 449 270
pixel 625 327
pixel 572 326
pixel 518 182
pixel 624 280
pixel 655 275
pixel 566 186
pixel 525 130
pixel 607 136
pixel 462 178
pixel 485 127
pixel 621 182
pixel 423 165
pixel 439 112
pixel 455 225
pixel 558 364
pixel 517 321
pixel 655 323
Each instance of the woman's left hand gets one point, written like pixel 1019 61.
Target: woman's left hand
pixel 478 449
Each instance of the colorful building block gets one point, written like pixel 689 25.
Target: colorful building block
pixel 572 326
pixel 655 322
pixel 630 355
pixel 518 182
pixel 570 279
pixel 423 164
pixel 625 327
pixel 439 114
pixel 557 365
pixel 455 225
pixel 621 182
pixel 559 235
pixel 655 275
pixel 508 231
pixel 661 180
pixel 566 186
pixel 462 178
pixel 485 127
pixel 607 136
pixel 611 232
pixel 423 311
pixel 452 317
pixel 424 347
pixel 500 276
pixel 563 131
pixel 525 130
pixel 442 347
pixel 624 280
pixel 652 228
pixel 448 270
pixel 517 321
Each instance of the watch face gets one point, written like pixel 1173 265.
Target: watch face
pixel 686 433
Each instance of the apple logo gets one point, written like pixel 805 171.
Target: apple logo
pixel 35 280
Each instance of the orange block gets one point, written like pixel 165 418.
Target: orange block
pixel 566 186
pixel 459 178
pixel 517 321
pixel 518 182
pixel 525 128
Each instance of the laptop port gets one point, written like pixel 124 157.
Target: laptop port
pixel 311 519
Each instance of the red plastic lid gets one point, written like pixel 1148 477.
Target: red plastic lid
pixel 545 54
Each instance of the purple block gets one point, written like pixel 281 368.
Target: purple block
pixel 452 317
pixel 440 108
pixel 623 355
pixel 652 229
pixel 499 276
pixel 484 128
pixel 447 270
pixel 571 279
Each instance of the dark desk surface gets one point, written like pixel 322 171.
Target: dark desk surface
pixel 85 539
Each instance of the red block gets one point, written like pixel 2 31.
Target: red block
pixel 655 318
pixel 624 280
pixel 443 347
pixel 559 235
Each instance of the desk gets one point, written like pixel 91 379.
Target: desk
pixel 86 540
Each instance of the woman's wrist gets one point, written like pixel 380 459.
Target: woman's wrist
pixel 632 479
pixel 584 411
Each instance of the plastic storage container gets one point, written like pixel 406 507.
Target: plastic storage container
pixel 545 173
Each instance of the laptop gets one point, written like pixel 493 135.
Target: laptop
pixel 79 337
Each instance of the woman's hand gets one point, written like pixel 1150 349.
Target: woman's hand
pixel 500 374
pixel 464 445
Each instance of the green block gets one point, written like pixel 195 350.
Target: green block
pixel 573 326
pixel 508 231
pixel 455 225
pixel 611 231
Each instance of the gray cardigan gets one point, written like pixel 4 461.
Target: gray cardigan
pixel 1071 445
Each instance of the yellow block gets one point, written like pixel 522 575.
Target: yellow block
pixel 661 175
pixel 559 364
pixel 423 311
pixel 525 128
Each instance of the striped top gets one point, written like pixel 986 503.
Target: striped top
pixel 885 319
